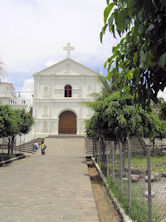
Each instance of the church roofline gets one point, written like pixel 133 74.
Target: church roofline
pixel 69 59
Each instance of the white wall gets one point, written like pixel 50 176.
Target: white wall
pixel 49 100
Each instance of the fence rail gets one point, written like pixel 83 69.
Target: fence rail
pixel 137 178
pixel 22 144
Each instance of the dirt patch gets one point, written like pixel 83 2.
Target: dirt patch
pixel 105 208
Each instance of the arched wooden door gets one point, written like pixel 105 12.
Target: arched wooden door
pixel 67 123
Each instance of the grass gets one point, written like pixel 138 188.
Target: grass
pixel 139 205
pixel 6 156
pixel 158 163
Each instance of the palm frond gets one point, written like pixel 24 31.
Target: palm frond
pixel 89 104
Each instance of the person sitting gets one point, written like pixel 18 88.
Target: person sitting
pixel 36 146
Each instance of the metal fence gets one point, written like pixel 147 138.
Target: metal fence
pixel 22 144
pixel 136 177
pixel 4 147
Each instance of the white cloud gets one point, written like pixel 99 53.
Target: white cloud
pixel 28 85
pixel 26 91
pixel 35 31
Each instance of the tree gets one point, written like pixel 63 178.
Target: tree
pixel 7 123
pixel 26 121
pixel 162 113
pixel 115 118
pixel 22 122
pixel 4 120
pixel 138 62
pixel 13 123
pixel 106 90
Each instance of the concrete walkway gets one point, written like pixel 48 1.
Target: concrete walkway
pixel 51 188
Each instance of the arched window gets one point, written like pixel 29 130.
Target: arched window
pixel 68 91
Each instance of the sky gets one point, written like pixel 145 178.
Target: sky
pixel 33 33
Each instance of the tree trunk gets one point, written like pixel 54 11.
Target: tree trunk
pixel 116 147
pixel 12 144
pixel 123 155
pixel 8 145
pixel 143 145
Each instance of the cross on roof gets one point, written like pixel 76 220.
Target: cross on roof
pixel 68 48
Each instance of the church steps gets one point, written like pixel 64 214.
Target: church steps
pixel 88 147
pixel 66 138
pixel 27 147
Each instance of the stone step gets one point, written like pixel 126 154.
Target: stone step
pixel 27 147
pixel 74 140
pixel 88 147
pixel 66 136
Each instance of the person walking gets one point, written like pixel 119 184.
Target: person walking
pixel 33 146
pixel 43 148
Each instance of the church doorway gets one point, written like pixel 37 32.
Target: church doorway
pixel 67 123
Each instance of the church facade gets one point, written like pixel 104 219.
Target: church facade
pixel 58 95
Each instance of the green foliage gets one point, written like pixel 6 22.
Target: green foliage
pixel 14 122
pixel 91 128
pixel 107 10
pixel 25 121
pixel 5 156
pixel 139 206
pixel 163 110
pixel 7 121
pixel 106 90
pixel 140 57
pixel 115 118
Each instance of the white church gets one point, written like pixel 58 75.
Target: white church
pixel 58 95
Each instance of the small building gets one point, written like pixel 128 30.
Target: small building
pixel 8 95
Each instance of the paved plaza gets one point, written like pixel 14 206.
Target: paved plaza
pixel 51 188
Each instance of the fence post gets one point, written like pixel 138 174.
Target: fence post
pixel 129 175
pixel 149 184
pixel 15 146
pixel 97 154
pixel 2 153
pixel 20 143
pixel 94 150
pixel 2 149
pixel 120 149
pixel 24 143
pixel 107 158
pixel 113 161
pixel 101 152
